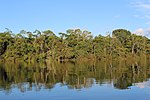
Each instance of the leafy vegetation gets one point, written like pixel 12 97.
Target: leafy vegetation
pixel 75 44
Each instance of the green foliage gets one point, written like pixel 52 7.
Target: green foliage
pixel 71 45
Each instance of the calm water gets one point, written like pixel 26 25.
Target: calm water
pixel 75 81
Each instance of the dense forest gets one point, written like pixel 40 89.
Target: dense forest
pixel 75 44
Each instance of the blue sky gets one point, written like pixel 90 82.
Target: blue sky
pixel 97 16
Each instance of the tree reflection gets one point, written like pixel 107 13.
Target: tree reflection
pixel 36 76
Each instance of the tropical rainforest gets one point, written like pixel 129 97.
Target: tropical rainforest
pixel 74 44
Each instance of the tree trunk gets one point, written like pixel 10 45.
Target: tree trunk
pixel 133 48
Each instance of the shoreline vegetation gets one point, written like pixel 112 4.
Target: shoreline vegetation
pixel 74 45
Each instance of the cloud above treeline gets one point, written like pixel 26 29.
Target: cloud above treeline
pixel 143 9
pixel 142 32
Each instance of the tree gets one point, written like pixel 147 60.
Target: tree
pixel 72 45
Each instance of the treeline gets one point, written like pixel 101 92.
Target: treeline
pixel 75 44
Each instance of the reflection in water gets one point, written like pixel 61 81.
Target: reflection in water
pixel 36 76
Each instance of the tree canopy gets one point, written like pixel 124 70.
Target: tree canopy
pixel 72 45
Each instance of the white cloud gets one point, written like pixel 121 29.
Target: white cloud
pixel 143 7
pixel 139 31
pixel 148 31
pixel 142 32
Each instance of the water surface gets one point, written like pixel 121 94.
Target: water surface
pixel 75 81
